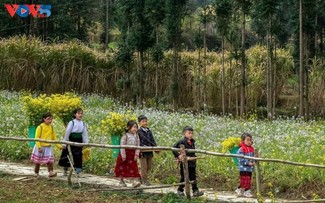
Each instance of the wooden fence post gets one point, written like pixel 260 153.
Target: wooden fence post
pixel 186 173
pixel 258 176
pixel 70 157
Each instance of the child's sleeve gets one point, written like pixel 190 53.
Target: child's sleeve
pixel 137 151
pixel 85 138
pixel 153 139
pixel 242 161
pixel 123 142
pixel 37 136
pixel 176 153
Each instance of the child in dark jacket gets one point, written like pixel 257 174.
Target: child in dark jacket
pixel 146 139
pixel 245 166
pixel 189 143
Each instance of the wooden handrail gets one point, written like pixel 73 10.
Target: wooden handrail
pixel 162 148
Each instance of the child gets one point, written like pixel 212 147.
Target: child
pixel 245 166
pixel 189 143
pixel 126 163
pixel 42 152
pixel 146 139
pixel 76 132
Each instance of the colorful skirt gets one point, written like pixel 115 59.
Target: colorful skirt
pixel 76 154
pixel 46 157
pixel 127 168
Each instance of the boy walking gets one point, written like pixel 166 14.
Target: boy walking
pixel 189 143
pixel 146 139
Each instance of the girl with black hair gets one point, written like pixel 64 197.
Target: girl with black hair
pixel 76 132
pixel 245 166
pixel 42 152
pixel 126 163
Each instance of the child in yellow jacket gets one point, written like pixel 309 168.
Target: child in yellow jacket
pixel 42 152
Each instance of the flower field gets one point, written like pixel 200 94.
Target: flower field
pixel 287 139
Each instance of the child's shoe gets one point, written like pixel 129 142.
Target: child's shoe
pixel 180 193
pixel 239 192
pixel 122 184
pixel 80 175
pixel 136 184
pixel 52 174
pixel 146 183
pixel 197 193
pixel 248 193
pixel 65 173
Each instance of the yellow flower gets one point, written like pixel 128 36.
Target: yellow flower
pixel 60 105
pixel 86 154
pixel 229 143
pixel 115 123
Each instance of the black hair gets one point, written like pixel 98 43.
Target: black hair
pixel 76 111
pixel 130 124
pixel 244 135
pixel 142 117
pixel 46 115
pixel 188 128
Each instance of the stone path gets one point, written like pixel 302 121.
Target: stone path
pixel 101 181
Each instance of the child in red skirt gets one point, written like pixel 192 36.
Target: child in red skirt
pixel 245 166
pixel 126 163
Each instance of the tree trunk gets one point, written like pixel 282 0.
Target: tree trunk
pixel 157 67
pixel 274 80
pixel 268 74
pixel 175 77
pixel 243 69
pixel 199 82
pixel 106 23
pixel 269 71
pixel 316 24
pixel 141 78
pixel 205 68
pixel 306 96
pixel 223 76
pixel 301 64
pixel 230 77
pixel 237 107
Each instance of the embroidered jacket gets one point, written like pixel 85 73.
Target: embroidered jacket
pixel 243 164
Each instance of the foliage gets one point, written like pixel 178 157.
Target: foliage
pixel 285 138
pixel 61 105
pixel 86 153
pixel 73 66
pixel 230 143
pixel 36 107
pixel 115 123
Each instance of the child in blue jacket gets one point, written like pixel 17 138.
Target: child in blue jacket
pixel 245 166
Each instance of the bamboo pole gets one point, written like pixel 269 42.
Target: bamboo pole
pixel 163 148
pixel 185 171
pixel 139 188
pixel 70 158
pixel 258 176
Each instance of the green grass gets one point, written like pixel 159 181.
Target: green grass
pixel 286 138
pixel 49 190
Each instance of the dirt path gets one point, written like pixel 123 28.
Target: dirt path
pixel 102 181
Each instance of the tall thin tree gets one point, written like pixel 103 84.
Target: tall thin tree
pixel 301 61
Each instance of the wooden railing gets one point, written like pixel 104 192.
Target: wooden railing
pixel 163 148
